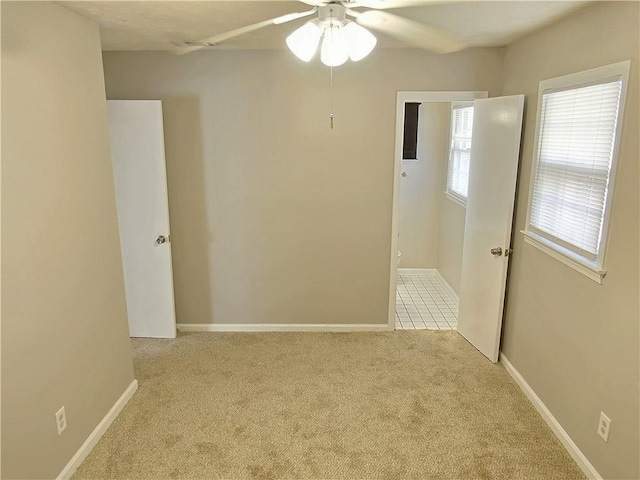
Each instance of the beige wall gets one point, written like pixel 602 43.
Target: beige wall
pixel 450 241
pixel 64 326
pixel 574 341
pixel 276 218
pixel 420 190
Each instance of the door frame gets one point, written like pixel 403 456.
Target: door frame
pixel 403 97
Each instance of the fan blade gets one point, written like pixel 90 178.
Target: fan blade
pixel 408 31
pixel 385 4
pixel 314 3
pixel 216 39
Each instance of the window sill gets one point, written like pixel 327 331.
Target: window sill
pixel 455 199
pixel 552 250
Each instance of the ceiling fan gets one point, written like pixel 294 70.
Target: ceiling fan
pixel 343 38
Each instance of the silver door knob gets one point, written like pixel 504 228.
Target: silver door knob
pixel 496 251
pixel 161 239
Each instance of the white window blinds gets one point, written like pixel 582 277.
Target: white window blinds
pixel 577 134
pixel 460 153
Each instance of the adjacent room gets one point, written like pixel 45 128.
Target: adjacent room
pixel 436 148
pixel 320 240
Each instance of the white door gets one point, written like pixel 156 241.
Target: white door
pixel 137 152
pixel 495 148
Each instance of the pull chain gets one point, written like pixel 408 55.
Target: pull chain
pixel 331 97
pixel 331 72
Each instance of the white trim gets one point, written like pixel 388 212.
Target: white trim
pixel 447 287
pixel 551 249
pixel 91 441
pixel 282 327
pixel 579 457
pixel 401 98
pixel 586 76
pixel 455 199
pixel 417 271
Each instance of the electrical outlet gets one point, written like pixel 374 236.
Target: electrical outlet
pixel 603 426
pixel 61 420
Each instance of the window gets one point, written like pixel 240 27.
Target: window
pixel 573 163
pixel 410 139
pixel 460 152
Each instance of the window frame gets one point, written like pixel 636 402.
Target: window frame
pixel 595 270
pixel 450 194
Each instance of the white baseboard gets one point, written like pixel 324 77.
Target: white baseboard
pixel 584 464
pixel 280 327
pixel 447 287
pixel 92 440
pixel 416 271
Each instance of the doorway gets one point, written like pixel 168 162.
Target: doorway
pixel 481 172
pixel 431 226
pixel 428 222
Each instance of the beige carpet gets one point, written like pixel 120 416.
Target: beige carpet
pixel 414 404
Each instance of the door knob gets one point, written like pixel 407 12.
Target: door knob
pixel 496 251
pixel 162 239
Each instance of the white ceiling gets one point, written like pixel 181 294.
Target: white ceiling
pixel 152 25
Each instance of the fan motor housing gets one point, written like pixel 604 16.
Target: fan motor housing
pixel 332 12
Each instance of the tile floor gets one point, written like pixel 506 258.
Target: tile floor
pixel 423 302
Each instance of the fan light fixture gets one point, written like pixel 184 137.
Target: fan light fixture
pixel 341 38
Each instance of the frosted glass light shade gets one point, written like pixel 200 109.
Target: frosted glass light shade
pixel 359 41
pixel 333 51
pixel 304 41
